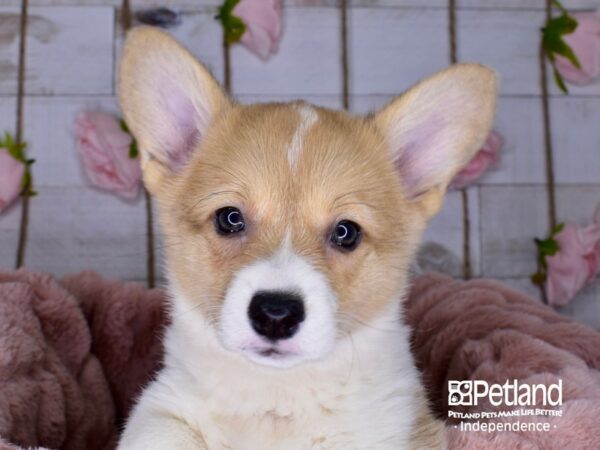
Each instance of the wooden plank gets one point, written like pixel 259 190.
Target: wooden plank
pixel 307 63
pixel 511 216
pixel 370 3
pixel 118 3
pixel 8 108
pixel 326 101
pixel 505 41
pixel 49 131
pixel 475 230
pixel 9 50
pixel 519 121
pixel 446 228
pixel 585 307
pixel 11 218
pixel 524 4
pixel 576 138
pixel 70 51
pixel 391 49
pixel 483 4
pixel 74 228
pixel 397 3
pixel 577 203
pixel 10 221
pixel 474 4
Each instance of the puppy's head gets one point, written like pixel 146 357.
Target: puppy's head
pixel 289 226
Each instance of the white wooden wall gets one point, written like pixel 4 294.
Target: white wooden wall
pixel 72 51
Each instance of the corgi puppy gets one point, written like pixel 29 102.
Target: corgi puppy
pixel 289 232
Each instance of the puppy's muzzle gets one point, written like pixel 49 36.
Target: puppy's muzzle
pixel 276 315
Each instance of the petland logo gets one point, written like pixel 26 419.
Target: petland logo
pixel 511 393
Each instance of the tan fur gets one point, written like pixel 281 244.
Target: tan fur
pixel 344 171
pixel 428 432
pixel 326 187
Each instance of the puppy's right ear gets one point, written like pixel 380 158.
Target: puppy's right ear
pixel 168 100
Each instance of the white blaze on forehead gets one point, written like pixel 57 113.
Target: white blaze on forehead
pixel 308 116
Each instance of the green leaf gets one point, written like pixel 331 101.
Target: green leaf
pixel 560 82
pixel 133 150
pixel 16 150
pixel 8 140
pixel 552 38
pixel 554 44
pixel 557 228
pixel 547 246
pixel 233 26
pixel 124 126
pixel 26 180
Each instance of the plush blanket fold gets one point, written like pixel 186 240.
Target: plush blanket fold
pixel 482 330
pixel 75 353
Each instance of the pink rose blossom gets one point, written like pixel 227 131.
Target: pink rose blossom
pixel 585 42
pixel 488 156
pixel 576 264
pixel 263 25
pixel 11 175
pixel 104 150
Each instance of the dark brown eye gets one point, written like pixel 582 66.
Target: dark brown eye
pixel 229 220
pixel 346 235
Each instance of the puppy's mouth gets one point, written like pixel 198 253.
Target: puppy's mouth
pixel 271 354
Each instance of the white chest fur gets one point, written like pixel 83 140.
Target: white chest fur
pixel 365 395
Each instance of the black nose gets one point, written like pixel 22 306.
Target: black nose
pixel 276 315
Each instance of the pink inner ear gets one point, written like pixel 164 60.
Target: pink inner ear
pixel 407 167
pixel 419 155
pixel 181 135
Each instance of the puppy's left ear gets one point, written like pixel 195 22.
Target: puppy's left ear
pixel 435 128
pixel 169 101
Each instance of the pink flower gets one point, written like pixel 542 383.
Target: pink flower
pixel 263 25
pixel 104 150
pixel 585 42
pixel 11 175
pixel 576 264
pixel 485 158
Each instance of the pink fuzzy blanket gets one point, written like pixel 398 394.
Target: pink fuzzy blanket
pixel 482 330
pixel 73 356
pixel 75 353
